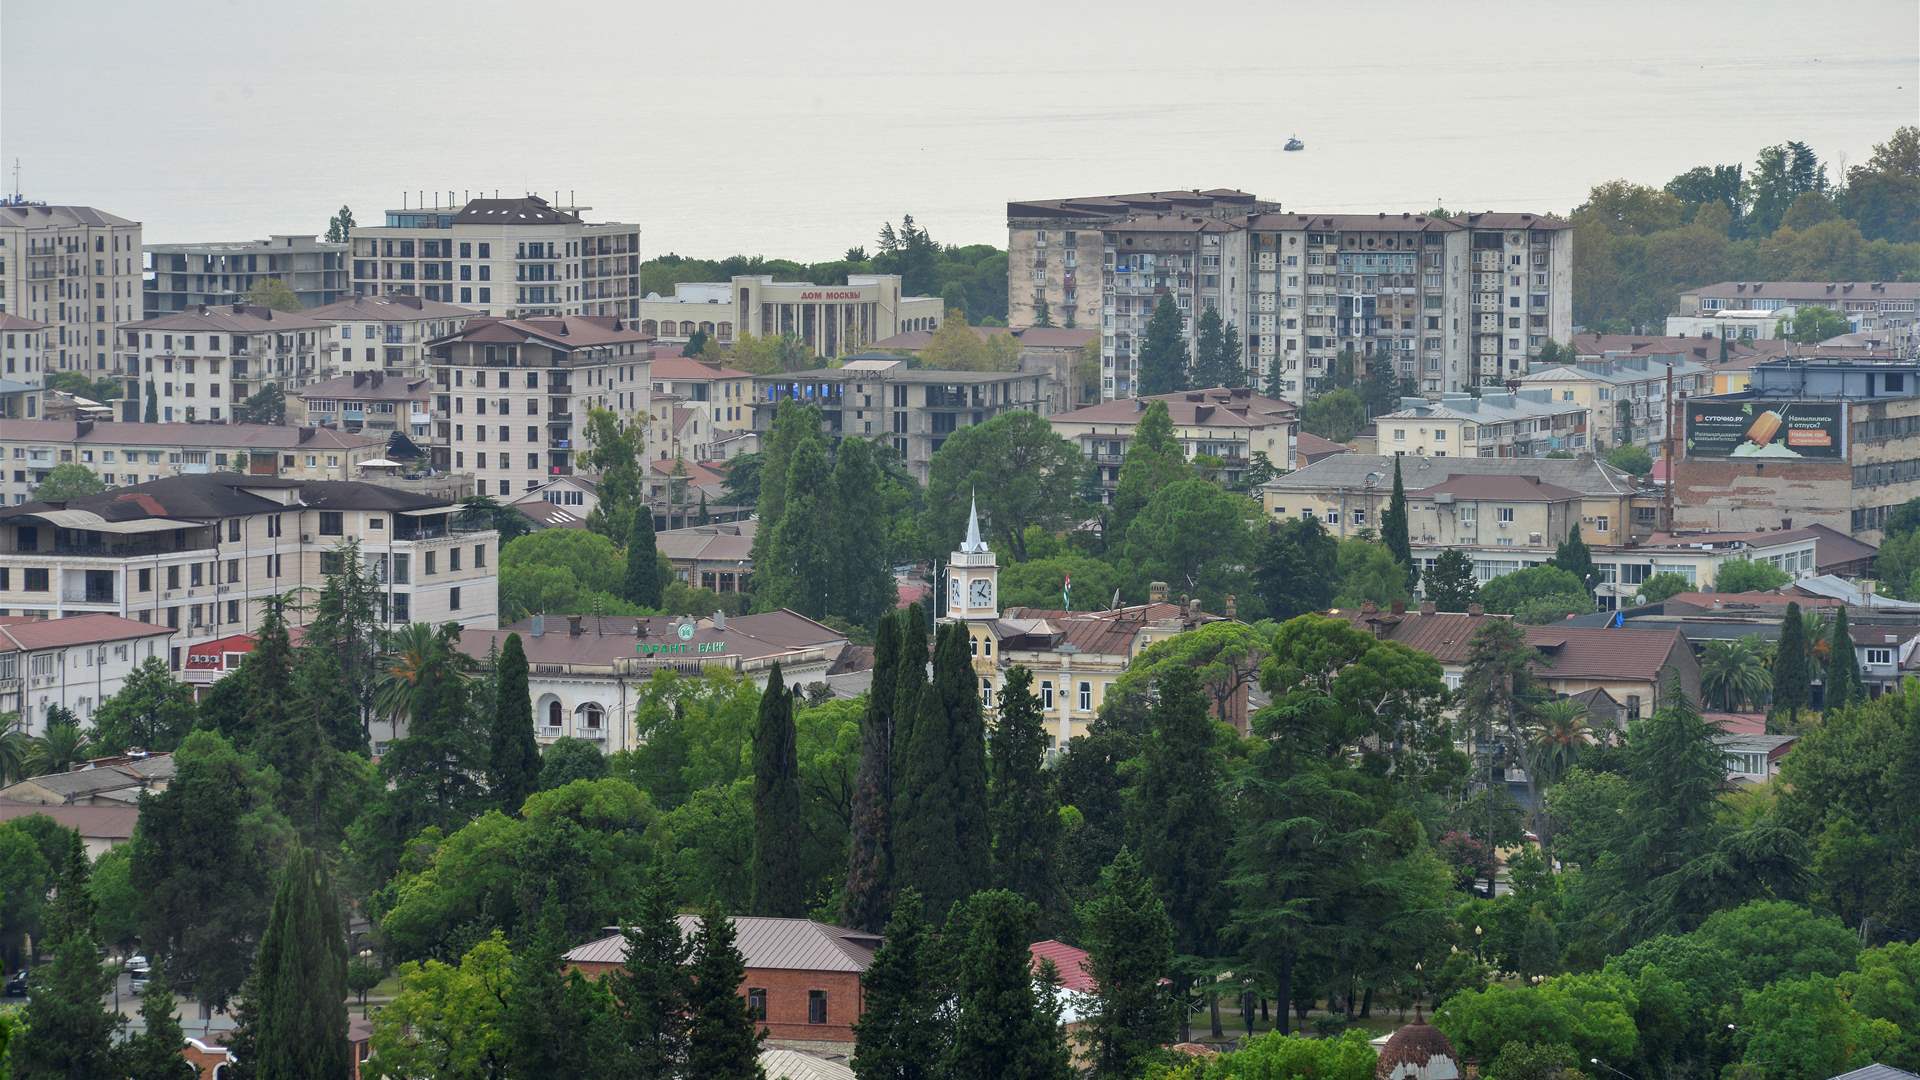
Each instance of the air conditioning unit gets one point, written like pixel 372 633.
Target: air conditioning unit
pixel 1504 524
pixel 306 538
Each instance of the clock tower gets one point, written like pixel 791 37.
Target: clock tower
pixel 973 576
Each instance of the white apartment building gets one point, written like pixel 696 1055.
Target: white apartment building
pixel 198 365
pixel 1628 397
pixel 74 268
pixel 127 454
pixel 202 554
pixel 513 257
pixel 1889 307
pixel 832 320
pixel 373 403
pixel 74 663
pixel 511 396
pixel 23 349
pixel 181 277
pixel 384 333
pixel 1529 423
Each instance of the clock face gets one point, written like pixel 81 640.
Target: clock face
pixel 953 592
pixel 981 593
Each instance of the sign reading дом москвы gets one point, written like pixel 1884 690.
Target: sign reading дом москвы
pixel 1767 430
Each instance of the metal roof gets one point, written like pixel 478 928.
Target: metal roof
pixel 765 943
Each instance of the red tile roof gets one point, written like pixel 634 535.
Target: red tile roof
pixel 1586 652
pixel 1074 965
pixel 91 822
pixel 689 369
pixel 75 630
pixel 1310 448
pixel 1444 635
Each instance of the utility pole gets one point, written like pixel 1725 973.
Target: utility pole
pixel 1669 446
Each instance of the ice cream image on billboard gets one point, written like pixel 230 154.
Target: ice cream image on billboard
pixel 1760 438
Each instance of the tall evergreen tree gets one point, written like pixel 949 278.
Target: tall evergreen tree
pixel 1002 1025
pixel 779 886
pixel 1576 558
pixel 864 590
pixel 650 989
pixel 436 771
pixel 1233 367
pixel 152 415
pixel 557 1022
pixel 1675 772
pixel 941 838
pixel 910 678
pixel 1276 385
pixel 1393 528
pixel 299 745
pixel 1381 388
pixel 70 1031
pixel 1180 816
pixel 346 622
pixel 1025 816
pixel 1792 670
pixel 1162 363
pixel 869 860
pixel 513 758
pixel 900 1034
pixel 723 1042
pixel 966 749
pixel 642 583
pixel 1843 683
pixel 154 1053
pixel 1130 954
pixel 794 424
pixel 1209 350
pixel 802 563
pixel 1296 570
pixel 1154 459
pixel 1451 584
pixel 300 980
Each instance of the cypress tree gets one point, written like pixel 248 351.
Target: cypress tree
pixel 300 980
pixel 923 841
pixel 642 584
pixel 869 865
pixel 779 889
pixel 1393 528
pixel 967 755
pixel 1576 558
pixel 864 592
pixel 900 1034
pixel 154 1054
pixel 152 415
pixel 1163 352
pixel 1844 686
pixel 299 744
pixel 1130 951
pixel 910 677
pixel 1675 774
pixel 802 563
pixel 513 759
pixel 1792 677
pixel 1002 1026
pixel 1022 807
pixel 650 990
pixel 557 1023
pixel 70 1031
pixel 723 1042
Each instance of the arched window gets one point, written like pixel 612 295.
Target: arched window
pixel 686 328
pixel 706 328
pixel 590 716
pixel 649 326
pixel 726 331
pixel 554 715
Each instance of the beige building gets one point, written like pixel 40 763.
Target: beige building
pixel 1232 425
pixel 513 257
pixel 1056 247
pixel 726 393
pixel 1890 307
pixel 913 409
pixel 385 333
pixel 511 396
pixel 75 269
pixel 832 320
pixel 1525 423
pixel 717 557
pixel 1061 353
pixel 23 349
pixel 1627 398
pixel 181 277
pixel 1201 262
pixel 202 554
pixel 200 365
pixel 126 454
pixel 369 403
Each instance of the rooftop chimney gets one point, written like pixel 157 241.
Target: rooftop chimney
pixel 574 627
pixel 1231 605
pixel 1427 607
pixel 1399 607
pixel 1156 592
pixel 539 626
pixel 1476 609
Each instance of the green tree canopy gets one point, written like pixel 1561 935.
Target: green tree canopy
pixel 1021 473
pixel 1160 544
pixel 1163 351
pixel 1335 415
pixel 1746 575
pixel 68 480
pixel 273 293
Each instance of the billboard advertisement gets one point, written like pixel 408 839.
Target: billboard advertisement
pixel 1767 430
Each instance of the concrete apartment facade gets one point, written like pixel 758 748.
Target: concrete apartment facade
pixel 126 454
pixel 181 277
pixel 913 410
pixel 1231 425
pixel 370 403
pixel 75 269
pixel 511 396
pixel 1627 398
pixel 23 349
pixel 203 554
pixel 1525 423
pixel 832 320
pixel 201 364
pixel 1890 306
pixel 384 333
pixel 725 393
pixel 510 257
pixel 1201 262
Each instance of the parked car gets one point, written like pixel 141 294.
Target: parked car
pixel 139 966
pixel 17 984
pixel 137 983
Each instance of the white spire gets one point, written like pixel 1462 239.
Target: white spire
pixel 973 544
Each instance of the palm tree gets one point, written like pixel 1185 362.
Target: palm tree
pixel 1560 730
pixel 16 749
pixel 413 653
pixel 1733 674
pixel 1819 628
pixel 60 749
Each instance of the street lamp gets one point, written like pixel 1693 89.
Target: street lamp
pixel 1609 1068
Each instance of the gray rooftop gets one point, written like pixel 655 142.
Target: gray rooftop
pixel 1585 474
pixel 1496 408
pixel 765 943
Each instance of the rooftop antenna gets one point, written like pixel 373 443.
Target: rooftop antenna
pixel 16 179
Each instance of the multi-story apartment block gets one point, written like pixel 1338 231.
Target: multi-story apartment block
pixel 23 348
pixel 832 320
pixel 1055 247
pixel 1230 426
pixel 1525 423
pixel 913 409
pixel 74 268
pixel 182 277
pixel 371 402
pixel 1201 262
pixel 385 333
pixel 516 257
pixel 725 392
pixel 1628 397
pixel 125 454
pixel 204 554
pixel 74 663
pixel 1892 307
pixel 511 396
pixel 200 364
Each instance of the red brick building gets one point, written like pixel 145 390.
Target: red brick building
pixel 803 977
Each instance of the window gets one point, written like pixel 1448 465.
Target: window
pixel 1880 656
pixel 479 556
pixel 433 559
pixel 1086 697
pixel 402 607
pixel 986 692
pixel 591 715
pixel 331 523
pixel 1747 762
pixel 816 1006
pixel 1602 523
pixel 233 530
pixel 453 599
pixel 556 717
pixel 1633 706
pixel 453 560
pixel 756 995
pixel 145 579
pixel 1046 693
pixel 173 577
pixel 1504 515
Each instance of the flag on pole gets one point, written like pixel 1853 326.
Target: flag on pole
pixel 1066 593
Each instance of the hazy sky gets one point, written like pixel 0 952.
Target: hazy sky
pixel 794 129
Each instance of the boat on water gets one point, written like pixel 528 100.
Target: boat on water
pixel 1294 143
